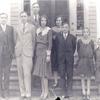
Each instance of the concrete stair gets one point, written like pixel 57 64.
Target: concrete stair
pixel 36 86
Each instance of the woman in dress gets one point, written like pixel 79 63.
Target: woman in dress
pixel 55 30
pixel 97 63
pixel 85 49
pixel 42 67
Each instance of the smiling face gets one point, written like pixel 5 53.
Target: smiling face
pixel 23 17
pixel 86 33
pixel 65 28
pixel 59 21
pixel 43 21
pixel 35 8
pixel 3 18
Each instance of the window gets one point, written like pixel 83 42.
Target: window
pixel 80 14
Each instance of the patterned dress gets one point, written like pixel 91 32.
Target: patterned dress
pixel 42 68
pixel 86 53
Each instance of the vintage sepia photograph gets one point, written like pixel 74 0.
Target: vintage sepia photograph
pixel 49 50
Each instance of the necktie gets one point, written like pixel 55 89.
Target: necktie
pixel 23 28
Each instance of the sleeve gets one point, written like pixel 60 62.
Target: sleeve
pixel 49 42
pixel 33 31
pixel 93 48
pixel 12 42
pixel 74 44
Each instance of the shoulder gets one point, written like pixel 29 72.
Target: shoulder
pixel 72 36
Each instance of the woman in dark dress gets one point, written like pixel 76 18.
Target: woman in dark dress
pixel 42 66
pixel 97 64
pixel 85 49
pixel 55 30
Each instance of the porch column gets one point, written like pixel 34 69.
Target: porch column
pixel 73 16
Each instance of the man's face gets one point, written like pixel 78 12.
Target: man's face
pixel 65 28
pixel 23 17
pixel 3 19
pixel 36 8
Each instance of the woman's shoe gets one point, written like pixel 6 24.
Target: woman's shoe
pixel 88 97
pixel 55 85
pixel 45 97
pixel 84 97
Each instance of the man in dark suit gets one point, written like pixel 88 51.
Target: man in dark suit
pixel 6 53
pixel 66 45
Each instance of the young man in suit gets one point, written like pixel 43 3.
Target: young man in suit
pixel 24 49
pixel 6 53
pixel 34 18
pixel 66 45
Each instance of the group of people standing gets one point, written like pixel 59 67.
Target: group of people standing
pixel 44 50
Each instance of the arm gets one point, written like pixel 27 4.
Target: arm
pixel 49 43
pixel 33 31
pixel 74 44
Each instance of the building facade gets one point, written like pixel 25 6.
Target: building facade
pixel 78 13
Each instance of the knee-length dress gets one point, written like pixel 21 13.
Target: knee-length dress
pixel 86 53
pixel 97 64
pixel 42 68
pixel 54 63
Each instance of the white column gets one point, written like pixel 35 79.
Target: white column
pixel 86 13
pixel 73 16
pixel 98 17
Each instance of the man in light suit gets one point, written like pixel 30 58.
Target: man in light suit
pixel 25 45
pixel 34 18
pixel 6 53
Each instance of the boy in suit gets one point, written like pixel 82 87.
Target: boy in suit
pixel 66 45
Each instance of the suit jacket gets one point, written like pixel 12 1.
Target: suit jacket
pixel 32 21
pixel 6 44
pixel 65 48
pixel 25 41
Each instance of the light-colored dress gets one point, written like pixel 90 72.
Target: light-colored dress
pixel 42 68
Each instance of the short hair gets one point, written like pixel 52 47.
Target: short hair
pixel 86 29
pixel 59 16
pixel 23 12
pixel 65 23
pixel 4 14
pixel 43 16
pixel 35 3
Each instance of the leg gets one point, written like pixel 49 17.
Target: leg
pixel 42 85
pixel 88 86
pixel 20 75
pixel 46 90
pixel 69 78
pixel 27 68
pixel 83 86
pixel 1 87
pixel 6 79
pixel 55 79
pixel 62 73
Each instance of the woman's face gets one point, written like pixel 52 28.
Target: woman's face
pixel 43 21
pixel 86 33
pixel 59 21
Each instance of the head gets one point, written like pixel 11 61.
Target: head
pixel 23 17
pixel 43 20
pixel 65 28
pixel 85 33
pixel 3 18
pixel 35 8
pixel 59 21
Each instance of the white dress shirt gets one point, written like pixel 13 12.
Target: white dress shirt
pixel 3 27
